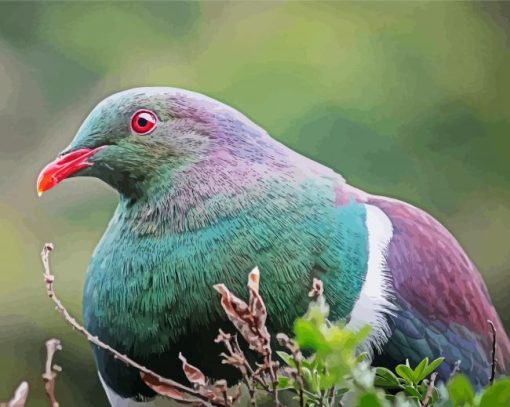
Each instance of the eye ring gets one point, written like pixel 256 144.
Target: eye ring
pixel 143 121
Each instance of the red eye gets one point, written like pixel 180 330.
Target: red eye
pixel 143 121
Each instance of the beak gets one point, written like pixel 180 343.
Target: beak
pixel 63 167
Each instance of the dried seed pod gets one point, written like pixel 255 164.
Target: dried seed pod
pixel 193 374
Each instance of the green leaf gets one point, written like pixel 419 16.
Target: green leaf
pixel 386 378
pixel 340 392
pixel 435 396
pixel 418 371
pixel 259 386
pixel 431 367
pixel 308 336
pixel 360 357
pixel 460 390
pixel 284 382
pixel 286 358
pixel 308 377
pixel 406 373
pixel 363 376
pixel 311 363
pixel 363 333
pixel 411 391
pixel 401 400
pixel 496 395
pixel 369 400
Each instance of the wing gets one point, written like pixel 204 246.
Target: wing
pixel 443 303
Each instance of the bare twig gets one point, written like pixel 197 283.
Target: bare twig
pixel 494 361
pixel 250 374
pixel 321 398
pixel 51 371
pixel 297 357
pixel 331 396
pixel 430 390
pixel 272 367
pixel 317 289
pixel 221 388
pixel 20 397
pixel 49 279
pixel 455 370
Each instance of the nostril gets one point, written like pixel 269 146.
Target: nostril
pixel 65 152
pixel 70 155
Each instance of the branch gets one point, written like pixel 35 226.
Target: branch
pixel 51 371
pixel 20 397
pixel 49 279
pixel 494 362
pixel 430 390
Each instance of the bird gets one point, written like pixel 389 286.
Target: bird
pixel 206 195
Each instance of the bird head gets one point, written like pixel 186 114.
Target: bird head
pixel 135 139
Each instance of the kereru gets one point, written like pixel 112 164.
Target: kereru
pixel 205 195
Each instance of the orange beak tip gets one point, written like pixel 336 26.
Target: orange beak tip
pixel 63 167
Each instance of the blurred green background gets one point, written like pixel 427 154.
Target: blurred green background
pixel 409 100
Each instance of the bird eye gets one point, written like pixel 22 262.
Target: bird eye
pixel 143 121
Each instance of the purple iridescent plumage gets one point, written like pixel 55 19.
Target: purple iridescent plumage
pixel 443 303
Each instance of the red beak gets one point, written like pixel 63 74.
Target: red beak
pixel 63 167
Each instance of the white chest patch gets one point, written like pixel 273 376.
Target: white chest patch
pixel 118 401
pixel 374 302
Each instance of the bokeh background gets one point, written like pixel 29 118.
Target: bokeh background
pixel 409 100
